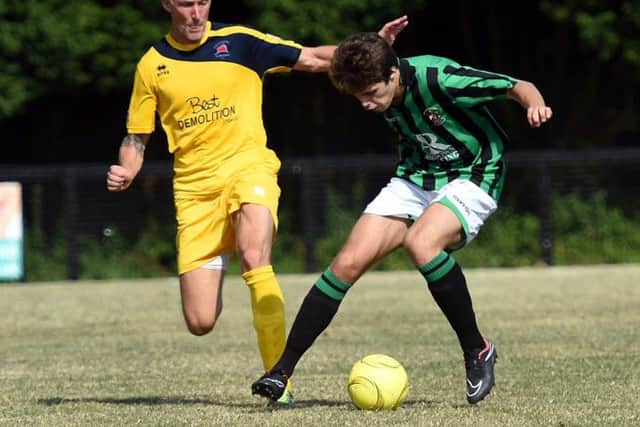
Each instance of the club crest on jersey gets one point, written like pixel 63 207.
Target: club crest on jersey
pixel 221 49
pixel 434 116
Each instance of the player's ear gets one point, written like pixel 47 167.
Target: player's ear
pixel 395 74
pixel 166 5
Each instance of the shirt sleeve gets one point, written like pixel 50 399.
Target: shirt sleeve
pixel 470 87
pixel 273 54
pixel 142 105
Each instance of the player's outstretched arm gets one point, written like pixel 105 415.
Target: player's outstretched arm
pixel 527 95
pixel 317 59
pixel 130 159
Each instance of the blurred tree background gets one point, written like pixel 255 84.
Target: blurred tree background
pixel 67 69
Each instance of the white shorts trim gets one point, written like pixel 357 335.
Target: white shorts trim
pixel 403 199
pixel 218 263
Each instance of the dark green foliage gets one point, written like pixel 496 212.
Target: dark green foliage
pixel 52 46
pixel 67 69
pixel 508 239
pixel 589 230
pixel 44 260
pixel 610 31
pixel 327 22
pixel 112 256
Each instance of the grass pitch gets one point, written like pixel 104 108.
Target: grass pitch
pixel 117 353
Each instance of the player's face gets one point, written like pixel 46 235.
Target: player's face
pixel 188 19
pixel 379 96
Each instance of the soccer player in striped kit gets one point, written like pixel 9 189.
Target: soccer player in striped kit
pixel 204 82
pixel 447 182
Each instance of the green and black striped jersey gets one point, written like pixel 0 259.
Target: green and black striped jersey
pixel 446 131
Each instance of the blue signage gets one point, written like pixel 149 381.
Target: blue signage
pixel 11 233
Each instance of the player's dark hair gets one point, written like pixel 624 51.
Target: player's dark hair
pixel 361 60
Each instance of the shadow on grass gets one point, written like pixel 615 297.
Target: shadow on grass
pixel 143 401
pixel 347 404
pixel 179 400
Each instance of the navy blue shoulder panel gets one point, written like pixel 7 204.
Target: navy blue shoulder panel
pixel 239 48
pixel 219 25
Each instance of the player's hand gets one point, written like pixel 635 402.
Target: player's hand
pixel 538 115
pixel 391 29
pixel 119 178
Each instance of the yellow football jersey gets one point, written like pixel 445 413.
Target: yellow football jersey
pixel 208 96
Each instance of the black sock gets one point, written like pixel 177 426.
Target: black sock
pixel 449 289
pixel 315 314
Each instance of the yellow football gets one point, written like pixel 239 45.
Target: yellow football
pixel 378 382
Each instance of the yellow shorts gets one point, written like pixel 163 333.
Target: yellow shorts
pixel 205 225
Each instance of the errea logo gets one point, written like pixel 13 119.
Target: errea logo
pixel 162 70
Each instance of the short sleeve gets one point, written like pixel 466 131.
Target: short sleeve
pixel 470 86
pixel 274 54
pixel 142 105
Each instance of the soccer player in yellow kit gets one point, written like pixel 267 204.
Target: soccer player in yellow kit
pixel 204 80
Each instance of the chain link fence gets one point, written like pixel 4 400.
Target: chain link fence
pixel 68 212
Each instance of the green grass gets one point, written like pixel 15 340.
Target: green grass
pixel 117 353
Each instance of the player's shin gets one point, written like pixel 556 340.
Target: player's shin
pixel 448 287
pixel 316 312
pixel 267 304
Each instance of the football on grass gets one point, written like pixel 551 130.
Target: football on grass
pixel 378 382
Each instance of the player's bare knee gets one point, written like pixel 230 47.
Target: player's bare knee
pixel 199 326
pixel 419 247
pixel 199 329
pixel 347 267
pixel 253 258
pixel 412 242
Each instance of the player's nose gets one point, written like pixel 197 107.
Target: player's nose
pixel 367 105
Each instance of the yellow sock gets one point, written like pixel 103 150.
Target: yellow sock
pixel 267 304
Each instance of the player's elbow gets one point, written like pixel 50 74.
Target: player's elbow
pixel 312 61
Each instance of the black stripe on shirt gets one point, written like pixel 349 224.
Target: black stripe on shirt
pixel 470 72
pixel 475 92
pixel 461 117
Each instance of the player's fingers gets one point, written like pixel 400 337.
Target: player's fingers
pixel 400 23
pixel 544 114
pixel 397 24
pixel 114 178
pixel 117 185
pixel 533 118
pixel 113 187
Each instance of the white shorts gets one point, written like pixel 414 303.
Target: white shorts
pixel 219 262
pixel 403 199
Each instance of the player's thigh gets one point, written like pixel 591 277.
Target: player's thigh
pixel 372 237
pixel 254 229
pixel 201 293
pixel 437 228
pixel 253 201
